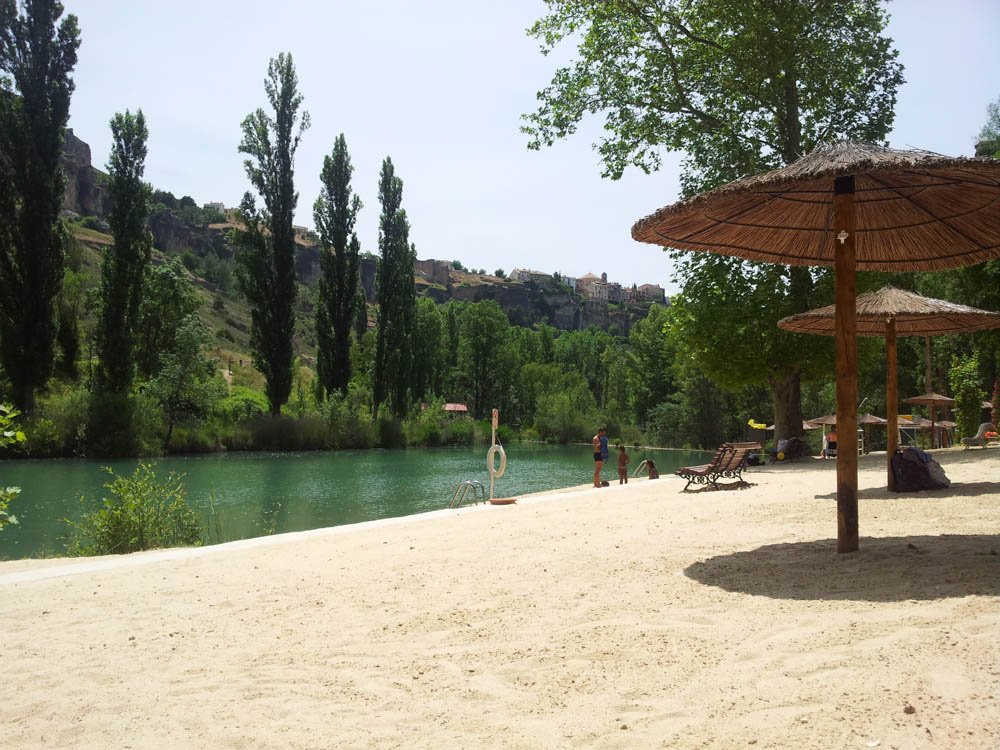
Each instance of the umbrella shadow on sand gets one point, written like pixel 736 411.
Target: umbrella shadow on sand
pixel 959 489
pixel 887 569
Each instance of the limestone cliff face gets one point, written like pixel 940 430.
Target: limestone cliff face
pixel 86 193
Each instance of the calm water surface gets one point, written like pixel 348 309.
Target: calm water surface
pixel 267 493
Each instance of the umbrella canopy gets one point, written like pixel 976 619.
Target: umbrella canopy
pixel 871 419
pixel 914 315
pixel 828 419
pixel 915 210
pixel 930 399
pixel 892 312
pixel 851 206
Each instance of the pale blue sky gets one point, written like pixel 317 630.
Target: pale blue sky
pixel 439 85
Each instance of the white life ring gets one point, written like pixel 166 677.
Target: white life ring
pixel 490 460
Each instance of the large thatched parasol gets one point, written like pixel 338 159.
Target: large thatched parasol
pixel 849 206
pixel 892 312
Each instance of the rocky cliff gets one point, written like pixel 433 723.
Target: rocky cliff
pixel 525 303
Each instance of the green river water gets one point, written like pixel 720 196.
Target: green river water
pixel 256 494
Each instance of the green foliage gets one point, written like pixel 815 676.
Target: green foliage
pixel 139 513
pixel 968 392
pixel 335 213
pixel 740 86
pixel 126 261
pixel 390 433
pixel 567 414
pixel 187 382
pixel 349 421
pixel 266 244
pixel 37 57
pixel 396 299
pixel 241 404
pixel 9 435
pixel 484 336
pixel 120 424
pixel 68 305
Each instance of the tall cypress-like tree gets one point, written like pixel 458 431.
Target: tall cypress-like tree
pixel 36 60
pixel 125 262
pixel 396 298
pixel 266 254
pixel 335 212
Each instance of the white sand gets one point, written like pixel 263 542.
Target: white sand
pixel 629 617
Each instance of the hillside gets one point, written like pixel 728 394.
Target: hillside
pixel 199 236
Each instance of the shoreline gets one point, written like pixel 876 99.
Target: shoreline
pixel 631 617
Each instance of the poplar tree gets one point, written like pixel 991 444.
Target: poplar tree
pixel 396 298
pixel 266 243
pixel 335 212
pixel 125 262
pixel 36 60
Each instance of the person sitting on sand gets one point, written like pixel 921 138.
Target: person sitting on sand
pixel 622 465
pixel 651 468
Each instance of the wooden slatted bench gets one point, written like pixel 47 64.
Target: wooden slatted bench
pixel 706 473
pixel 728 462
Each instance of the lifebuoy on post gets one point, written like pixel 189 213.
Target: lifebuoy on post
pixel 496 473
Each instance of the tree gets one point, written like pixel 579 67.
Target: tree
pixel 187 381
pixel 36 60
pixel 428 349
pixel 335 212
pixel 484 336
pixel 126 260
pixel 988 141
pixel 266 243
pixel 739 86
pixel 168 298
pixel 396 298
pixel 68 304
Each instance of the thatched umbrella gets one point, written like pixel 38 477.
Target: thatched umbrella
pixel 892 312
pixel 932 400
pixel 849 206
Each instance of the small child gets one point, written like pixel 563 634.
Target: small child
pixel 622 465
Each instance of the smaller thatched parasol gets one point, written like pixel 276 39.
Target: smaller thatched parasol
pixel 892 312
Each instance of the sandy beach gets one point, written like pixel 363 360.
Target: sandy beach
pixel 633 616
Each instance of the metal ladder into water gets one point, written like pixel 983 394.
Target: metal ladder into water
pixel 478 493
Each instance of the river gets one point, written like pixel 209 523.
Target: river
pixel 255 494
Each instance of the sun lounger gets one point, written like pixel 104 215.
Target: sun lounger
pixel 979 438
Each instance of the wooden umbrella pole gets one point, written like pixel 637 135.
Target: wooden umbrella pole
pixel 847 365
pixel 891 398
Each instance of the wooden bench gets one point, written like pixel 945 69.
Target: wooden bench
pixel 728 462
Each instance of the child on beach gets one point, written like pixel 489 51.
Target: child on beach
pixel 622 465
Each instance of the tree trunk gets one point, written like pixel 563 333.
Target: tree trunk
pixel 786 394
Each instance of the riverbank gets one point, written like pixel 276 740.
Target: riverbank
pixel 630 616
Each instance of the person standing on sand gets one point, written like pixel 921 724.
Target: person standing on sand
pixel 600 445
pixel 622 465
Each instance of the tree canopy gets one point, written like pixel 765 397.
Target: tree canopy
pixel 739 86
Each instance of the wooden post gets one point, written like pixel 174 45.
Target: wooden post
pixel 847 365
pixel 891 398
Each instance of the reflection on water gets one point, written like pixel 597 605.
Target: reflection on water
pixel 267 493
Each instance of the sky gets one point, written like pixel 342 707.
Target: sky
pixel 440 87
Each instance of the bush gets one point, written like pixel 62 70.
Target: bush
pixel 242 404
pixel 459 431
pixel 308 433
pixel 139 514
pixel 349 423
pixel 67 409
pixel 390 433
pixel 123 425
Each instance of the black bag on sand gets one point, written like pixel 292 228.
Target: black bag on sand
pixel 915 470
